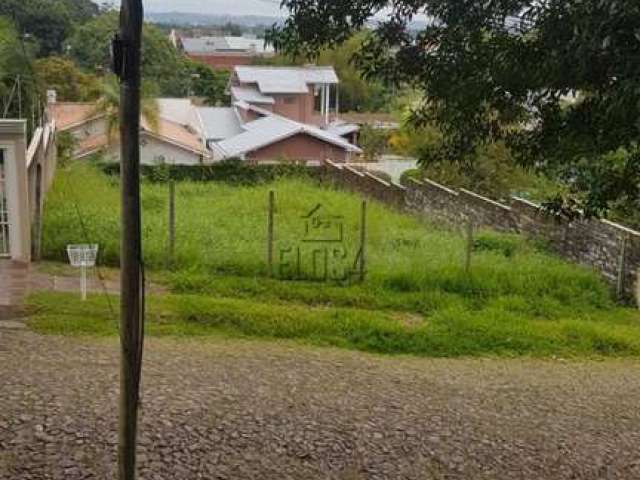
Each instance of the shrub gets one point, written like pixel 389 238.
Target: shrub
pixel 232 171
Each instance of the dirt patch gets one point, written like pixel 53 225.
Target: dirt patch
pixel 408 319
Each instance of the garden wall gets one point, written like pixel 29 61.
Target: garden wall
pixel 609 248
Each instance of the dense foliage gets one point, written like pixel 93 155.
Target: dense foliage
pixel 89 47
pixel 49 21
pixel 357 93
pixel 492 169
pixel 17 78
pixel 209 84
pixel 70 83
pixel 557 80
pixel 232 171
pixel 174 74
pixel 373 142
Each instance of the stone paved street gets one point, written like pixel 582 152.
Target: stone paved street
pixel 231 409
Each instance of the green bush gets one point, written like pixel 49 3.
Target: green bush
pixel 232 171
pixel 414 173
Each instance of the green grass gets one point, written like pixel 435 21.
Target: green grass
pixel 500 329
pixel 517 300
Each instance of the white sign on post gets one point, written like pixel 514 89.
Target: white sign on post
pixel 82 256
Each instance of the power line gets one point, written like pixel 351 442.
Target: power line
pixel 85 235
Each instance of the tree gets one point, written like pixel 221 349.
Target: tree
pixel 18 94
pixel 11 62
pixel 109 105
pixel 49 22
pixel 161 62
pixel 69 82
pixel 357 94
pixel 81 11
pixel 504 71
pixel 373 142
pixel 208 83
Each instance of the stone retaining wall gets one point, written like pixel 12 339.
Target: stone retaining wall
pixel 609 248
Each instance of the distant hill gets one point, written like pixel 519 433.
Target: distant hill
pixel 185 19
pixel 203 19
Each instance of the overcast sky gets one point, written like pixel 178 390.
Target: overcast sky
pixel 214 7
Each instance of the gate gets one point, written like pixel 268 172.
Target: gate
pixel 4 210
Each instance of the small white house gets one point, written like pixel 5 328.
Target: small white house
pixel 170 142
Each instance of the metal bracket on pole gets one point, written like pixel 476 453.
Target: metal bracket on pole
pixel 117 57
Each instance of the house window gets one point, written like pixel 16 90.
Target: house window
pixel 317 99
pixel 289 100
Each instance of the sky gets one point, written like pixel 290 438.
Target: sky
pixel 215 7
pixel 269 8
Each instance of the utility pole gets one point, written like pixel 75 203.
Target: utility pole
pixel 126 64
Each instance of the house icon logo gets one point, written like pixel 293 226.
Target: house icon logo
pixel 321 226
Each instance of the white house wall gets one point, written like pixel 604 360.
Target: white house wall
pixel 156 152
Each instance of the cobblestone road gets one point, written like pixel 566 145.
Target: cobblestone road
pixel 229 409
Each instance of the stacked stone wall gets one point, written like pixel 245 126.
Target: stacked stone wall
pixel 611 249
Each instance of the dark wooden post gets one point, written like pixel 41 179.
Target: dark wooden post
pixel 621 268
pixel 638 288
pixel 172 223
pixel 270 233
pixel 468 246
pixel 363 241
pixel 127 67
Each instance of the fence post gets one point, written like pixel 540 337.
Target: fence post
pixel 363 240
pixel 270 233
pixel 468 246
pixel 638 288
pixel 621 268
pixel 172 223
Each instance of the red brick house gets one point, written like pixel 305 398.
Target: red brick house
pixel 281 113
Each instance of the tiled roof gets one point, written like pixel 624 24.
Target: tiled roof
pixel 342 128
pixel 90 145
pixel 219 123
pixel 68 114
pixel 251 95
pixel 175 133
pixel 178 110
pixel 285 79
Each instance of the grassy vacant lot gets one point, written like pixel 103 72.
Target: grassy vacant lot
pixel 417 298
